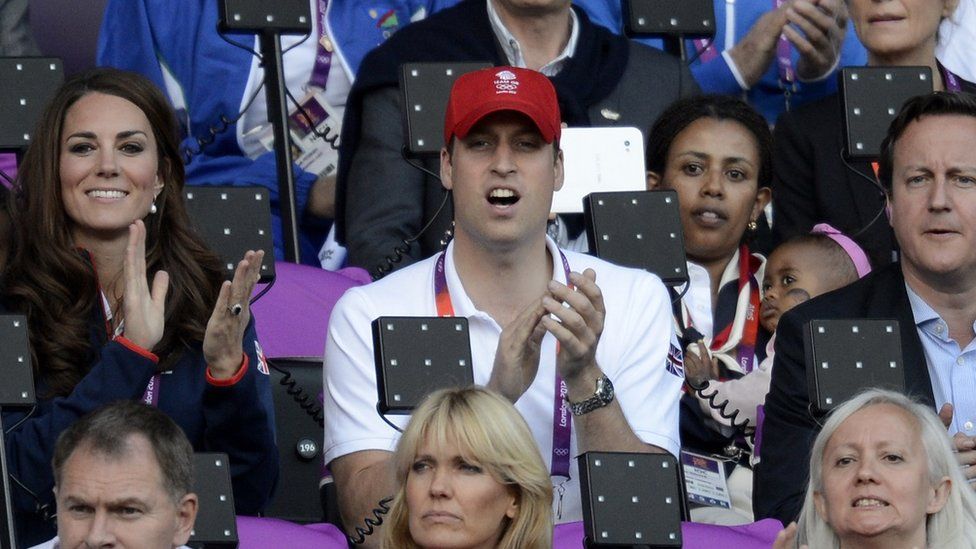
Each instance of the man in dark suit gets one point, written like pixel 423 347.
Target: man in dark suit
pixel 929 174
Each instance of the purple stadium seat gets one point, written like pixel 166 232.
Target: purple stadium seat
pixel 263 532
pixel 758 535
pixel 293 317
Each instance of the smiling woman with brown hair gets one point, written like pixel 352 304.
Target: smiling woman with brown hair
pixel 123 301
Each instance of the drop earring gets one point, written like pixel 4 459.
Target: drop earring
pixel 152 207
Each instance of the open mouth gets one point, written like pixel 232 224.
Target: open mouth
pixel 503 197
pixel 869 502
pixel 709 216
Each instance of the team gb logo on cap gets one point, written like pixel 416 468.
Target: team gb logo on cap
pixel 506 82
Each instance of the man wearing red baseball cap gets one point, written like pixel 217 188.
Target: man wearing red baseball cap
pixel 588 366
pixel 601 79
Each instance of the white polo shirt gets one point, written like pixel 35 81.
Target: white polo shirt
pixel 633 351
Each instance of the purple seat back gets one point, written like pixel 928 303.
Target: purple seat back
pixel 758 535
pixel 261 533
pixel 293 317
pixel 256 532
pixel 8 165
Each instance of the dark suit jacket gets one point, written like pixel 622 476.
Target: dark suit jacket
pixel 811 184
pixel 789 428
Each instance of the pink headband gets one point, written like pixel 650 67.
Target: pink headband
pixel 854 251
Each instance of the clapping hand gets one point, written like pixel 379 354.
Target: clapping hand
pixel 823 23
pixel 700 365
pixel 144 310
pixel 964 446
pixel 757 48
pixel 574 317
pixel 517 356
pixel 786 538
pixel 222 346
pixel 576 320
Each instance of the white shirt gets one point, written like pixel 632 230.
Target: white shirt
pixel 638 333
pixel 957 36
pixel 513 51
pixel 698 298
pixel 298 63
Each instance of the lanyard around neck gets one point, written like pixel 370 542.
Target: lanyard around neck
pixel 323 50
pixel 951 81
pixel 561 418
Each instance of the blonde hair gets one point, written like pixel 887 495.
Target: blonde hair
pixel 486 427
pixel 953 526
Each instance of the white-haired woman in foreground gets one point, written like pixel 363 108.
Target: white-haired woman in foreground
pixel 883 474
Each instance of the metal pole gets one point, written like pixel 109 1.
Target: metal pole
pixel 675 45
pixel 8 537
pixel 274 85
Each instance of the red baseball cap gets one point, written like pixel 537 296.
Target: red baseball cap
pixel 480 93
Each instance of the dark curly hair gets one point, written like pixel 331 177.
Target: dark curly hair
pixel 54 284
pixel 683 112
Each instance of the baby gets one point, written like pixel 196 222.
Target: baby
pixel 806 266
pixel 799 269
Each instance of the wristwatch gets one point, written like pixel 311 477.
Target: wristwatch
pixel 601 397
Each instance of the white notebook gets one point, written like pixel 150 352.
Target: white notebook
pixel 599 160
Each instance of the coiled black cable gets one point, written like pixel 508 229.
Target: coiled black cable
pixel 305 401
pixel 400 250
pixel 43 509
pixel 213 131
pixel 721 408
pixel 264 290
pixel 371 522
pixel 332 140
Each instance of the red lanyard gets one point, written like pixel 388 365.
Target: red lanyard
pixel 746 348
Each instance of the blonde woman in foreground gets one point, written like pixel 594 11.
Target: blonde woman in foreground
pixel 469 474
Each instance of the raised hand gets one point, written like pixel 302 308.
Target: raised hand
pixel 964 446
pixel 823 23
pixel 144 310
pixel 517 356
pixel 700 366
pixel 222 346
pixel 786 538
pixel 578 322
pixel 757 48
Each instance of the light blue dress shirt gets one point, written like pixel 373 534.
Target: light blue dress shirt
pixel 953 372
